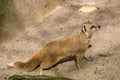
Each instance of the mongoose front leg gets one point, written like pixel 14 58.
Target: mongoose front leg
pixel 78 59
pixel 88 59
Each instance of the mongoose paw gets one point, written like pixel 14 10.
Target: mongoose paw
pixel 88 59
pixel 89 46
pixel 78 67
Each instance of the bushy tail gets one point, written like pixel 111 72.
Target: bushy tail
pixel 30 65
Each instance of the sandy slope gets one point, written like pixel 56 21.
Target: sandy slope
pixel 65 22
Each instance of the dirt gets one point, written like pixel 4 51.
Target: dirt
pixel 66 21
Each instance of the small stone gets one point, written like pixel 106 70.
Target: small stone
pixel 88 8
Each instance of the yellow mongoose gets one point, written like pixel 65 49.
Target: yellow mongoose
pixel 54 51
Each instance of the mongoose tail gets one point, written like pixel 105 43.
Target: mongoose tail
pixel 30 65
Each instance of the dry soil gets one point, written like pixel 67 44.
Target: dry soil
pixel 66 21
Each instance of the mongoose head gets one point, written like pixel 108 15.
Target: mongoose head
pixel 88 28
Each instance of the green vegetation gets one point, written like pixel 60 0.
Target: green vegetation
pixel 35 77
pixel 10 22
pixel 3 12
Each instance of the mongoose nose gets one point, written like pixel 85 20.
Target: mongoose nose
pixel 99 26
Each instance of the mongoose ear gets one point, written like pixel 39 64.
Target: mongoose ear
pixel 84 29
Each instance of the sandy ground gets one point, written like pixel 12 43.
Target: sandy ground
pixel 65 22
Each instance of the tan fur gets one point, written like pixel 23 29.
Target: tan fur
pixel 54 51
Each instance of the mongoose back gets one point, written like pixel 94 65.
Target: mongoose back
pixel 54 51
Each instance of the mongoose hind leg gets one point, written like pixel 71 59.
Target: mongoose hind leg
pixel 41 71
pixel 46 64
